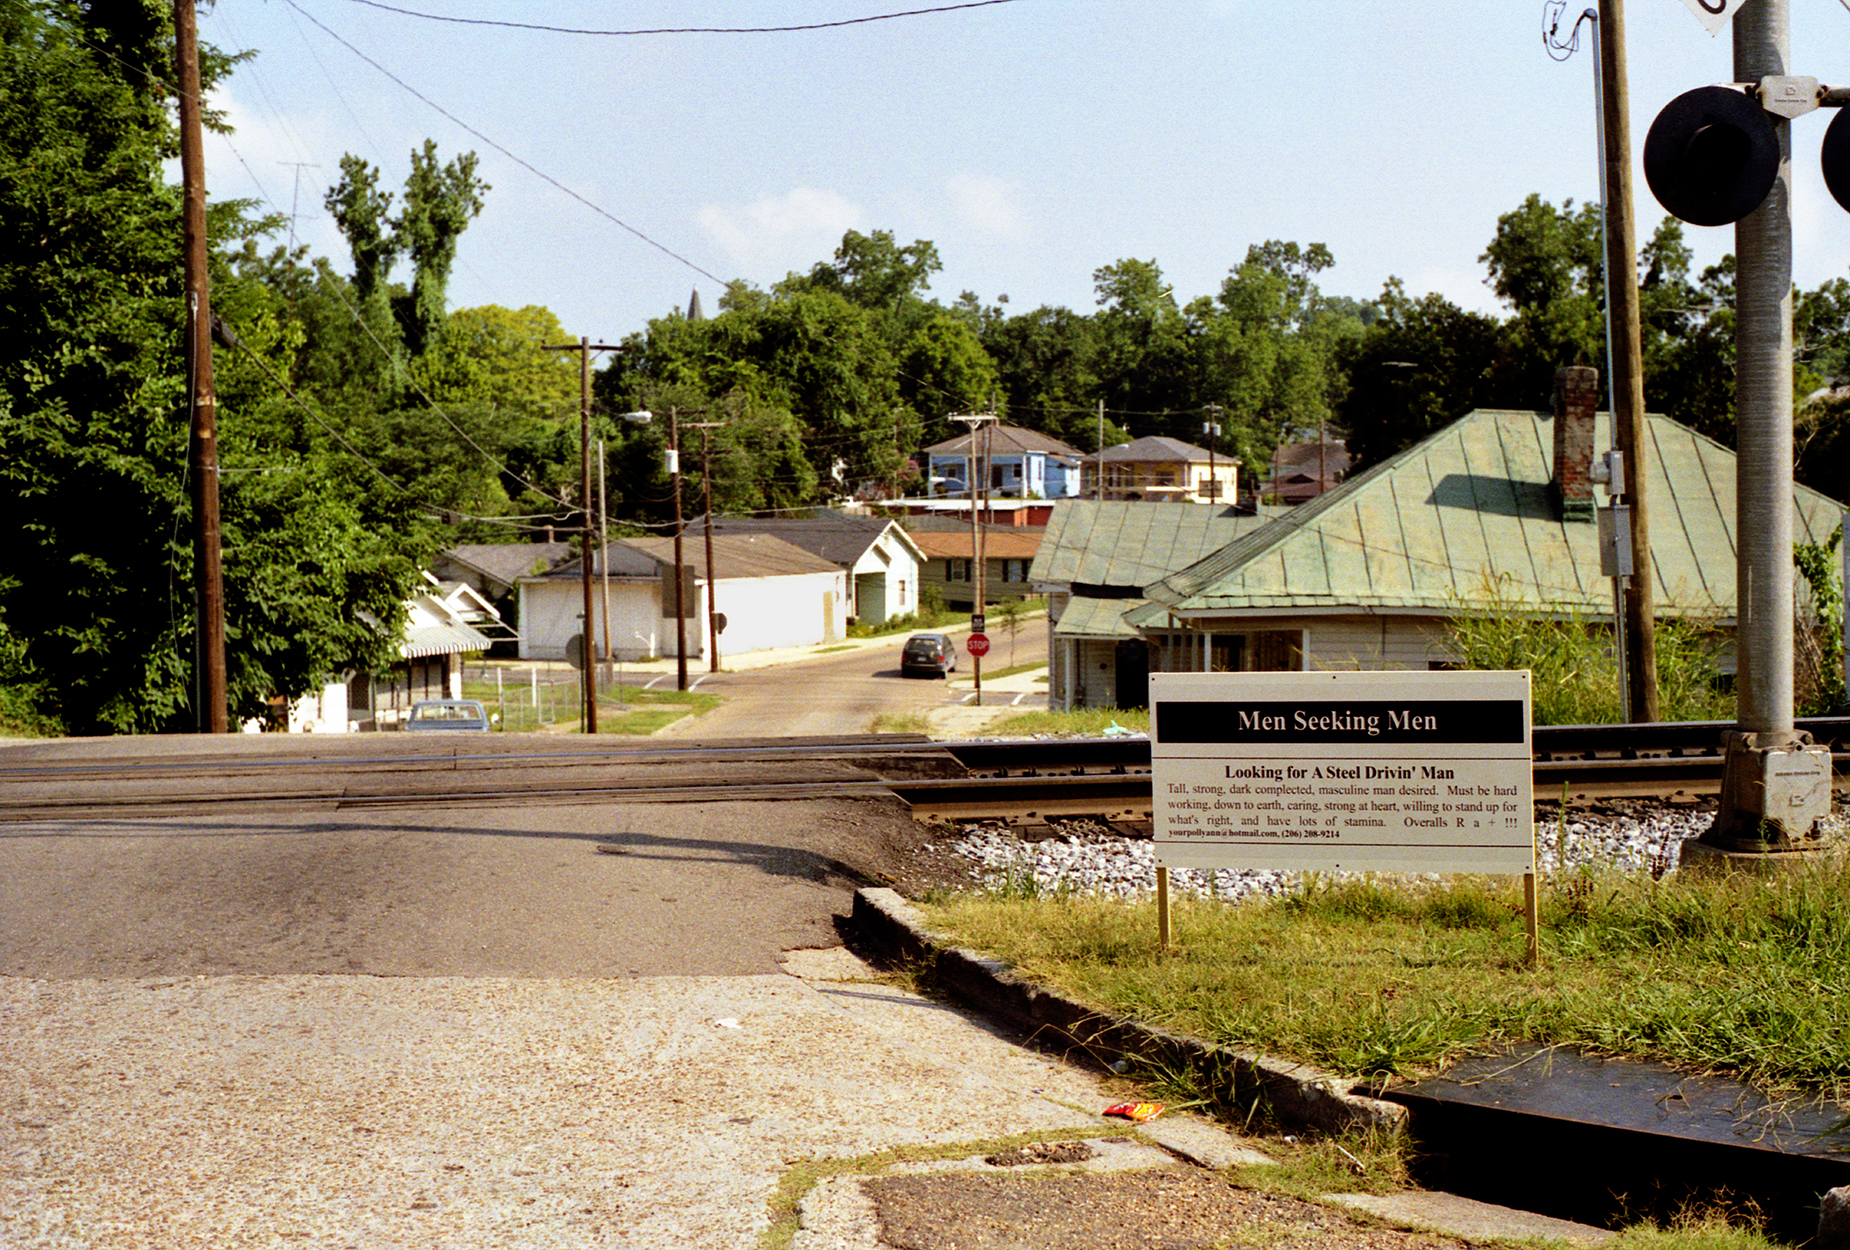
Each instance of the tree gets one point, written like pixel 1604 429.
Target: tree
pixel 1423 364
pixel 440 202
pixel 96 628
pixel 90 427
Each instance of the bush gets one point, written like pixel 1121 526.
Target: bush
pixel 1575 671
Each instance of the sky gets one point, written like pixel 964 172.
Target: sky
pixel 1032 141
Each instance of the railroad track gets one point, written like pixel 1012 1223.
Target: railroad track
pixel 1108 777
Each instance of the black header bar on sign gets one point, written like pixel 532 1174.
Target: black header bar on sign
pixel 1419 720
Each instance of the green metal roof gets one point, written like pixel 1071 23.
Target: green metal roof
pixel 1085 617
pixel 1122 543
pixel 1467 518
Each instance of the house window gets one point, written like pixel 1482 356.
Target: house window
pixel 1014 570
pixel 956 570
pixel 902 593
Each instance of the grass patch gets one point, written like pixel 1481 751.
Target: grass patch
pixel 1031 666
pixel 1383 977
pixel 900 723
pixel 629 710
pixel 1083 723
pixel 805 1175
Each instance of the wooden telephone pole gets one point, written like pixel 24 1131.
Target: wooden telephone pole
pixel 584 347
pixel 211 703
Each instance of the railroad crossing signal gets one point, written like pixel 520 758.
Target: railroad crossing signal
pixel 1712 154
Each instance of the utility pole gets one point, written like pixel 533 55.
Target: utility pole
pixel 1211 427
pixel 1100 484
pixel 706 490
pixel 588 527
pixel 1625 357
pixel 603 544
pixel 680 608
pixel 979 424
pixel 210 707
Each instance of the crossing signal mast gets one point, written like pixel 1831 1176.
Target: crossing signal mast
pixel 1714 156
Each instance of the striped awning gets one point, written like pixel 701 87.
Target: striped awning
pixel 449 638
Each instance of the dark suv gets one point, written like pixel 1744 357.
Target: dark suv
pixel 928 653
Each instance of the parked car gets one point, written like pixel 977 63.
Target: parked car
pixel 928 653
pixel 448 715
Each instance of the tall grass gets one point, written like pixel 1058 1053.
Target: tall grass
pixel 1575 665
pixel 1383 976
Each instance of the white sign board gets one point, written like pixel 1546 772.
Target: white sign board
pixel 1357 771
pixel 1714 14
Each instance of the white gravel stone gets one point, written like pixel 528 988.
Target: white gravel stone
pixel 1090 860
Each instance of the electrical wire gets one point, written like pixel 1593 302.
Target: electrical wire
pixel 524 164
pixel 683 30
pixel 1553 44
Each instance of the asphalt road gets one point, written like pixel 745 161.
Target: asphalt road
pixel 698 889
pixel 842 693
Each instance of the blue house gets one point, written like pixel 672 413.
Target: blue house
pixel 1022 464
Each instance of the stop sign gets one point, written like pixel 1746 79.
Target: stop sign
pixel 978 644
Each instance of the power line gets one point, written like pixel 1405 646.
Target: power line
pixel 530 168
pixel 683 30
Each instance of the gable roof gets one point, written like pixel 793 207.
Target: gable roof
pixel 1124 543
pixel 999 543
pixel 1156 447
pixel 1467 519
pixel 1006 440
pixel 835 536
pixel 507 563
pixel 734 556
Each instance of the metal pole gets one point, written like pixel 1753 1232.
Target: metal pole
pixel 1099 486
pixel 1763 349
pixel 211 710
pixel 706 487
pixel 603 542
pixel 1625 358
pixel 680 614
pixel 588 651
pixel 1775 785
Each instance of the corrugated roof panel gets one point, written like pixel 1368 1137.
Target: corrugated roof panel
pixel 1096 618
pixel 1699 489
pixel 1471 510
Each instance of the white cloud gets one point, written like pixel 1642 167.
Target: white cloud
pixel 989 204
pixel 776 234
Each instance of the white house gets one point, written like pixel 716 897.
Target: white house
pixel 882 561
pixel 769 592
pixel 442 624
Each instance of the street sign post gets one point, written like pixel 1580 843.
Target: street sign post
pixel 1714 14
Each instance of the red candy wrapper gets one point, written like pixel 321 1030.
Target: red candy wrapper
pixel 1136 1111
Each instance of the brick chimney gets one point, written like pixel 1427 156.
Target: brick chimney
pixel 1576 396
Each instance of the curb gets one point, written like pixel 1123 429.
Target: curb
pixel 1292 1094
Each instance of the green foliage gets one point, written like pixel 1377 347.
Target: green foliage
pixel 1421 365
pixel 1820 645
pixel 440 202
pixel 1574 670
pixel 96 601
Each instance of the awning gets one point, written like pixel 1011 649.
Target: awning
pixel 449 638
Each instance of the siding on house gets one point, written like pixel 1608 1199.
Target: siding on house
pixel 772 594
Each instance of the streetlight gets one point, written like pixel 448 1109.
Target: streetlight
pixel 673 459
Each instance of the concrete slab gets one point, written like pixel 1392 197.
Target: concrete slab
pixel 1461 1217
